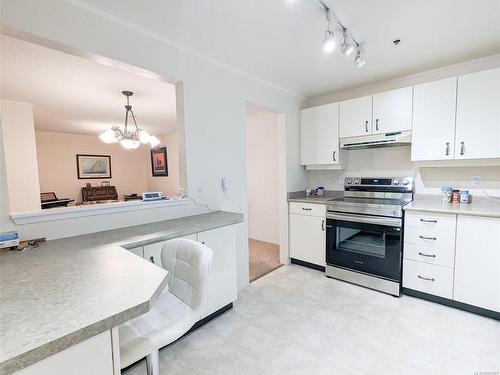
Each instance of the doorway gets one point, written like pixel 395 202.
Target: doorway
pixel 265 183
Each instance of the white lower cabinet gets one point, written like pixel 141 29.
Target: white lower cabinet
pixel 222 288
pixel 462 263
pixel 477 265
pixel 308 233
pixel 92 356
pixel 428 278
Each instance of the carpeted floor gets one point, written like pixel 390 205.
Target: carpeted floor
pixel 264 258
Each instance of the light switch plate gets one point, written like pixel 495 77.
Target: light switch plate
pixel 476 181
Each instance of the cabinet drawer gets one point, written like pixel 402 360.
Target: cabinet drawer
pixel 310 209
pixel 430 238
pixel 428 278
pixel 429 254
pixel 430 220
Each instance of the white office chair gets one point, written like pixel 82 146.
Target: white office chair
pixel 188 264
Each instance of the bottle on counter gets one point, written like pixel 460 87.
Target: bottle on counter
pixel 464 196
pixel 455 197
pixel 446 194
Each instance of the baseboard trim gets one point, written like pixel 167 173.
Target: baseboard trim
pixel 307 264
pixel 197 325
pixel 207 319
pixel 450 303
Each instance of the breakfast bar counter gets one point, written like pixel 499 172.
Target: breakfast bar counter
pixel 71 289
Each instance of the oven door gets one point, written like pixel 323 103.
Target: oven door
pixel 363 243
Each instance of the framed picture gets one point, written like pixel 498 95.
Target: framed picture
pixel 93 166
pixel 159 164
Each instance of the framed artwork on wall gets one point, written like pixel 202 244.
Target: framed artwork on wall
pixel 159 164
pixel 93 166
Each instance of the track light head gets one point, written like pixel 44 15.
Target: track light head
pixel 347 46
pixel 329 41
pixel 359 60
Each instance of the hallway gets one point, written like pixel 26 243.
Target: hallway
pixel 264 258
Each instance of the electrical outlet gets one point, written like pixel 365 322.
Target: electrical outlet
pixel 224 184
pixel 476 181
pixel 199 191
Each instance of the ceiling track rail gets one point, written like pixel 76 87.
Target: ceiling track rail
pixel 337 21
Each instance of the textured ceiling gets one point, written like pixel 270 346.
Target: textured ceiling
pixel 74 95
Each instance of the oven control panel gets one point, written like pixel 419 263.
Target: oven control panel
pixel 403 182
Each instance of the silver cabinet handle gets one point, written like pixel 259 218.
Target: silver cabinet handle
pixel 152 259
pixel 376 124
pixel 447 148
pixel 307 209
pixel 462 148
pixel 428 221
pixel 322 225
pixel 427 255
pixel 428 238
pixel 366 126
pixel 426 278
pixel 334 155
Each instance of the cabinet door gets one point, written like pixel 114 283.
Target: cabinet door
pixel 319 134
pixel 308 238
pixel 152 252
pixel 137 251
pixel 477 262
pixel 392 110
pixel 356 117
pixel 478 115
pixel 92 356
pixel 434 109
pixel 222 287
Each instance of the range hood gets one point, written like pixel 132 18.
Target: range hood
pixel 377 140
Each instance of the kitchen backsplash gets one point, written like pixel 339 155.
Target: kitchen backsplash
pixel 396 162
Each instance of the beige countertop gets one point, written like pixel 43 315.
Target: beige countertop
pixel 480 206
pixel 71 289
pixel 300 196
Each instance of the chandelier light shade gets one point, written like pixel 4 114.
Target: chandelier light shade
pixel 129 139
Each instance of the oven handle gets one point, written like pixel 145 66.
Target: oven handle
pixel 385 221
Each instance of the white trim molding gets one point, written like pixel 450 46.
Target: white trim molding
pixel 72 212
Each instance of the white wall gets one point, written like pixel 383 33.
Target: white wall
pixel 214 97
pixel 20 156
pixel 396 161
pixel 168 185
pixel 263 177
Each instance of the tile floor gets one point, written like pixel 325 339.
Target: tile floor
pixel 296 321
pixel 264 258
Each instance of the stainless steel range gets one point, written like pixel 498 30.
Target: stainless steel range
pixel 364 232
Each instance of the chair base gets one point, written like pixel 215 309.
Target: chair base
pixel 197 325
pixel 153 363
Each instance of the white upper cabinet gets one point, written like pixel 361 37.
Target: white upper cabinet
pixel 392 110
pixel 319 135
pixel 356 117
pixel 478 115
pixel 433 132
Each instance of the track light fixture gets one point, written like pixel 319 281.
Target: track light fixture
pixel 329 41
pixel 359 60
pixel 347 46
pixel 348 43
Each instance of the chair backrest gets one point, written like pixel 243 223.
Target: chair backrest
pixel 189 263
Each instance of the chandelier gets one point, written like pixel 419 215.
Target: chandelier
pixel 129 139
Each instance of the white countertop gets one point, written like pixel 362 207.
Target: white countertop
pixel 480 206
